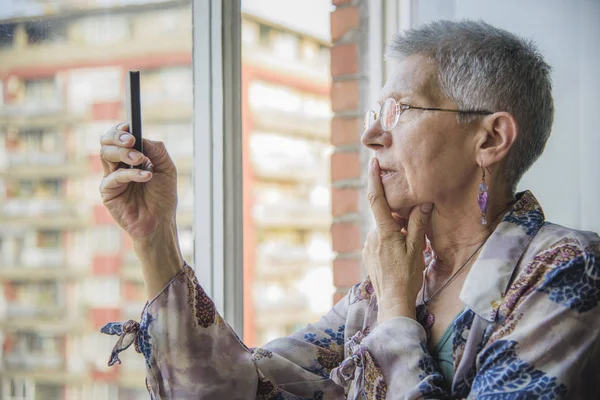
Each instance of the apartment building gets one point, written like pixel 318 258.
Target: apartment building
pixel 65 267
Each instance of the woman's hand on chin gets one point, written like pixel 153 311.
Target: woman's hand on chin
pixel 394 261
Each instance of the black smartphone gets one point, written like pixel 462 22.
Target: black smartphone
pixel 134 111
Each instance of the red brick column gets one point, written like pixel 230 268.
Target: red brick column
pixel 348 31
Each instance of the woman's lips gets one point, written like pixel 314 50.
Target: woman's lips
pixel 386 173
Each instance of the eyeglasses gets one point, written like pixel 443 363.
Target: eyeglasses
pixel 391 110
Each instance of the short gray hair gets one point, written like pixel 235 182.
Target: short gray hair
pixel 483 67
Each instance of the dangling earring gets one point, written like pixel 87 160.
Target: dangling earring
pixel 482 199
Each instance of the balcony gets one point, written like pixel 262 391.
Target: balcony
pixel 36 318
pixel 34 311
pixel 168 111
pixel 300 125
pixel 34 361
pixel 29 274
pixel 73 51
pixel 43 213
pixel 291 170
pixel 35 164
pixel 292 214
pixel 35 114
pixel 285 261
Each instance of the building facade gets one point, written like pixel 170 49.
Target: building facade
pixel 65 267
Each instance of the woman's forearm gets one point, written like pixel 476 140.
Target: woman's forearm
pixel 160 256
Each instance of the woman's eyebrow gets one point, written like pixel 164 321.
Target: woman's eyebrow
pixel 395 95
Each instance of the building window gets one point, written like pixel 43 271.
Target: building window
pixel 167 85
pixel 18 389
pixel 265 34
pixel 105 29
pixel 49 239
pixel 7 35
pixel 87 86
pixel 39 91
pixel 39 32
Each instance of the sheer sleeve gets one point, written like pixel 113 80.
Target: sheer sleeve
pixel 192 353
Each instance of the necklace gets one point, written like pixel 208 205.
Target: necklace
pixel 424 316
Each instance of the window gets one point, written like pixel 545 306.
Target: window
pixel 41 93
pixel 287 140
pixel 286 46
pixel 39 32
pixel 49 239
pixel 17 389
pixel 104 29
pixel 7 35
pixel 265 34
pixel 88 86
pixel 166 84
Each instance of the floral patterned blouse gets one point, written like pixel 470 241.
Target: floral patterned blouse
pixel 530 330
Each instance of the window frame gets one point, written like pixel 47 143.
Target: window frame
pixel 218 246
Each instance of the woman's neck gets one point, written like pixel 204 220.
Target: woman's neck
pixel 456 231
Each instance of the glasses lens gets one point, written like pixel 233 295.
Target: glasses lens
pixel 369 119
pixel 389 116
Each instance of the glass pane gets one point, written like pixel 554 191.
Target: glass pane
pixel 286 145
pixel 66 268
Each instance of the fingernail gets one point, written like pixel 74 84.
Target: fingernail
pixel 133 155
pixel 144 173
pixel 373 162
pixel 124 137
pixel 426 207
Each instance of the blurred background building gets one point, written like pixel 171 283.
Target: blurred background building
pixel 65 267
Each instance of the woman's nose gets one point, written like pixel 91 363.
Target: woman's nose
pixel 375 138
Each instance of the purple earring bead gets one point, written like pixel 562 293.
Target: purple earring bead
pixel 482 200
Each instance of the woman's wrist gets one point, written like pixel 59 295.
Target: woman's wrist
pixel 392 308
pixel 160 257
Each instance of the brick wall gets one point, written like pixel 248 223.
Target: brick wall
pixel 348 91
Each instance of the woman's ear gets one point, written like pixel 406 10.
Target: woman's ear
pixel 499 132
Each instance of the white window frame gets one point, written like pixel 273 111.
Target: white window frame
pixel 218 250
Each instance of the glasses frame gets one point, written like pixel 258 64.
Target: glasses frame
pixel 401 107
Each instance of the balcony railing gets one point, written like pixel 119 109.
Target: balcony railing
pixel 30 361
pixel 35 310
pixel 288 261
pixel 292 213
pixel 44 213
pixel 34 259
pixel 35 158
pixel 33 108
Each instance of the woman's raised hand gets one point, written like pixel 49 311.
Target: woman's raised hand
pixel 143 202
pixel 140 201
pixel 394 260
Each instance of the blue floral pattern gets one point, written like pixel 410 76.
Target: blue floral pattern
pixel 143 341
pixel 432 380
pixel 527 213
pixel 325 342
pixel 574 284
pixel 503 375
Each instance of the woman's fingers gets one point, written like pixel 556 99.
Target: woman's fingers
pixel 123 176
pixel 115 155
pixel 417 223
pixel 116 147
pixel 379 206
pixel 119 135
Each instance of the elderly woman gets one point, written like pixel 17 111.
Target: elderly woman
pixel 470 294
